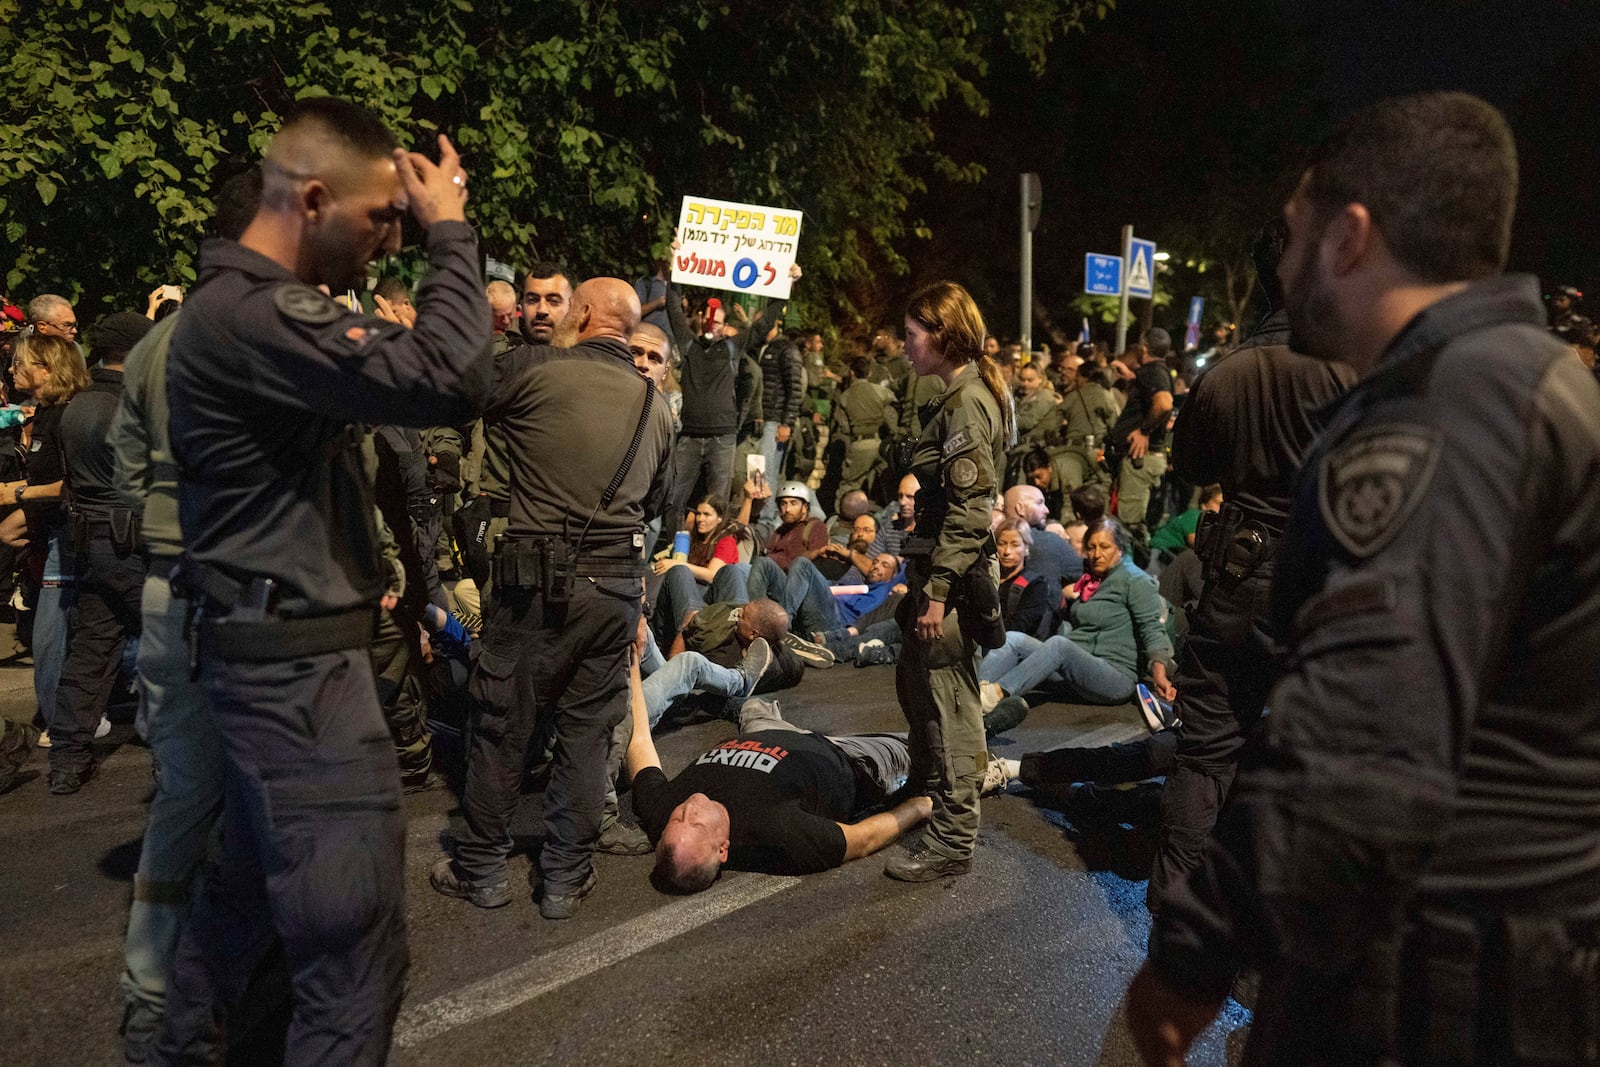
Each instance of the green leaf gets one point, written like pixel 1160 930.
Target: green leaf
pixel 46 189
pixel 432 86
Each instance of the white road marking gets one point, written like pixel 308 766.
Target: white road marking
pixel 543 974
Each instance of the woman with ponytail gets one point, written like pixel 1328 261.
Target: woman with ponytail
pixel 957 460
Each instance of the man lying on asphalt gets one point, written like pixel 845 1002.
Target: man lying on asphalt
pixel 774 798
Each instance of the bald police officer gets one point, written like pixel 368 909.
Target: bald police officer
pixel 264 377
pixel 1413 856
pixel 568 581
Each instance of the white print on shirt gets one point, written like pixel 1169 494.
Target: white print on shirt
pixel 752 755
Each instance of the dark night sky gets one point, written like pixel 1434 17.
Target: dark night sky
pixel 1164 104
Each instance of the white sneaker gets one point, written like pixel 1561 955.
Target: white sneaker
pixel 991 694
pixel 44 738
pixel 996 776
pixel 103 729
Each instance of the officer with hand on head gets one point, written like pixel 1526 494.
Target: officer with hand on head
pixel 265 377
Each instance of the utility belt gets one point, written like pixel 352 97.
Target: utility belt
pixel 1439 992
pixel 1231 547
pixel 919 546
pixel 553 566
pixel 1086 440
pixel 237 620
pixel 119 525
pixel 500 509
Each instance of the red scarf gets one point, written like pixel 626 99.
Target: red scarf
pixel 1086 586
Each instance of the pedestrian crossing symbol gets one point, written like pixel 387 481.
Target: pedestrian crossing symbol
pixel 1141 258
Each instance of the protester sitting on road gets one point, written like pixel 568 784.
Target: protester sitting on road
pixel 796 533
pixel 851 505
pixel 1027 604
pixel 816 605
pixel 713 572
pixel 774 798
pixel 1113 620
pixel 847 563
pixel 737 652
pixel 1053 559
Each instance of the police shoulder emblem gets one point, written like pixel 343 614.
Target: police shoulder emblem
pixel 302 303
pixel 963 473
pixel 1371 483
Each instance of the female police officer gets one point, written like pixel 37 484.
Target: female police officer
pixel 965 433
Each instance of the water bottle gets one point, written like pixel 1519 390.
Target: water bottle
pixel 680 546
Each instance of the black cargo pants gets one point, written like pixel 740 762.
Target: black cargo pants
pixel 538 658
pixel 1225 673
pixel 313 857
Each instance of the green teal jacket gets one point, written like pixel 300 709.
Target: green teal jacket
pixel 1122 619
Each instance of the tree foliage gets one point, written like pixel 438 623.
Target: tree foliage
pixel 582 122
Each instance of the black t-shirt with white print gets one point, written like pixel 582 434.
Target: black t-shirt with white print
pixel 785 792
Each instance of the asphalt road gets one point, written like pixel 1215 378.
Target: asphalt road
pixel 1022 961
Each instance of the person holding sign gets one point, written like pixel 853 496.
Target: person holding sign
pixel 956 461
pixel 709 378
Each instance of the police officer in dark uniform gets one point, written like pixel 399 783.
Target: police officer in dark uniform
pixel 265 376
pixel 110 562
pixel 1413 855
pixel 568 581
pixel 948 611
pixel 1247 425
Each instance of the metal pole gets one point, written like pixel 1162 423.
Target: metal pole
pixel 1122 319
pixel 1027 265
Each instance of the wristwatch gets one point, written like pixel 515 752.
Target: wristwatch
pixel 20 490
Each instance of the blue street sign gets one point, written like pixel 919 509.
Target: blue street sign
pixel 1102 275
pixel 1141 268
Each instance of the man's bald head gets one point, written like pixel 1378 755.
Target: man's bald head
pixel 854 504
pixel 601 307
pixel 1026 502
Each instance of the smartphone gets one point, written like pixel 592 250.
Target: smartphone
pixel 755 464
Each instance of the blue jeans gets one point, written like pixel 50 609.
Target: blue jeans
pixel 808 598
pixel 1024 663
pixel 711 455
pixel 188 759
pixel 774 452
pixel 766 581
pixel 50 623
pixel 680 593
pixel 682 675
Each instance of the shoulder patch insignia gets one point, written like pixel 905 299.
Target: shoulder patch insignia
pixel 1371 484
pixel 956 442
pixel 302 303
pixel 963 473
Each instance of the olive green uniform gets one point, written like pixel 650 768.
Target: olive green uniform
pixel 863 415
pixel 1086 413
pixel 956 460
